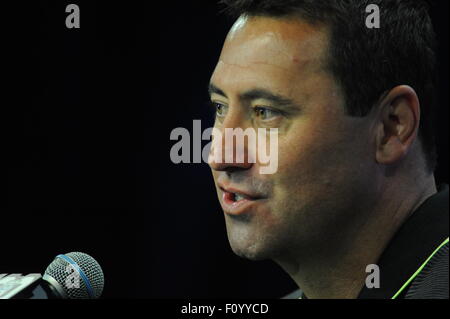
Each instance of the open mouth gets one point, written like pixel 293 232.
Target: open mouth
pixel 237 203
pixel 236 197
pixel 232 196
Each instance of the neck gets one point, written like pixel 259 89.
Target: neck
pixel 336 268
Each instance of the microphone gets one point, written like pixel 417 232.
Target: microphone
pixel 70 276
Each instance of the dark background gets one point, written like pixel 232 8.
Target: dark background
pixel 86 120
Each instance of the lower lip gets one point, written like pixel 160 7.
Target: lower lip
pixel 240 207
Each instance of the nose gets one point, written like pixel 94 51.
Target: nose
pixel 231 149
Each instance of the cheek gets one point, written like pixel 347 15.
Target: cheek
pixel 312 159
pixel 301 151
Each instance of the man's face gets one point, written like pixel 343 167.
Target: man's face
pixel 325 158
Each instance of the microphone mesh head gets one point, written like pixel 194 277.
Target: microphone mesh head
pixel 60 270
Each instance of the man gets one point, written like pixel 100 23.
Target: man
pixel 354 189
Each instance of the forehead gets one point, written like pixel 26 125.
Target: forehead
pixel 285 48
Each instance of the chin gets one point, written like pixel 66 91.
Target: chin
pixel 254 251
pixel 248 254
pixel 252 239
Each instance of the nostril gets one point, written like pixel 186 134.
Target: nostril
pixel 229 167
pixel 233 170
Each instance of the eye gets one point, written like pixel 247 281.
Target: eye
pixel 220 109
pixel 265 113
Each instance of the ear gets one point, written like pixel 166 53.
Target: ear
pixel 398 124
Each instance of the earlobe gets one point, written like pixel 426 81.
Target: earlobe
pixel 398 119
pixel 391 152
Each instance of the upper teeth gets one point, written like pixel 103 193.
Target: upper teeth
pixel 238 197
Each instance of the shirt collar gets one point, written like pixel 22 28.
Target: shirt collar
pixel 416 239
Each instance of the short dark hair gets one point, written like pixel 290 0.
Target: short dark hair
pixel 369 62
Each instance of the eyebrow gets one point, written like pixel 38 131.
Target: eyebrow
pixel 212 89
pixel 257 93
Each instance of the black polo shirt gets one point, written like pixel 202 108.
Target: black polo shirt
pixel 422 233
pixel 415 241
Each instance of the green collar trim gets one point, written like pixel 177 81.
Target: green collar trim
pixel 420 269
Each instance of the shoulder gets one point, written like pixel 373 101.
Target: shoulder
pixel 293 295
pixel 433 281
